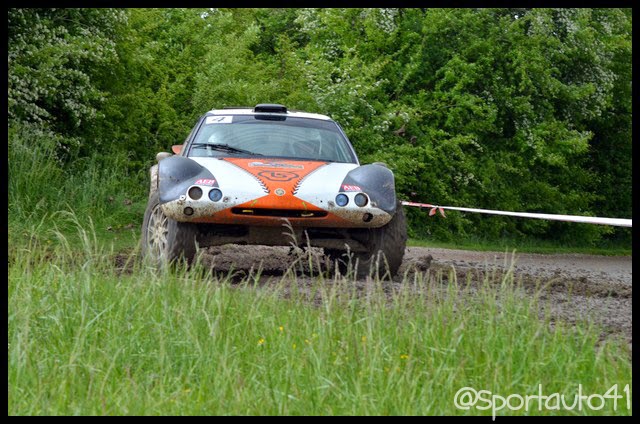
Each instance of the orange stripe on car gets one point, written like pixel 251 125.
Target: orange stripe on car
pixel 281 178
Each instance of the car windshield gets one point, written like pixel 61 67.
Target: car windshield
pixel 270 136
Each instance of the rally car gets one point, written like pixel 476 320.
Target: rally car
pixel 243 173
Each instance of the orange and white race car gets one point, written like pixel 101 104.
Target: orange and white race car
pixel 243 173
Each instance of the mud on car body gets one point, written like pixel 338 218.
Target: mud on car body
pixel 243 172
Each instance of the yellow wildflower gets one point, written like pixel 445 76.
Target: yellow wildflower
pixel 261 341
pixel 404 356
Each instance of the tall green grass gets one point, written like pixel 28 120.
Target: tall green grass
pixel 87 338
pixel 100 190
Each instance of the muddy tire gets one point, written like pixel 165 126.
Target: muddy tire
pixel 165 241
pixel 386 247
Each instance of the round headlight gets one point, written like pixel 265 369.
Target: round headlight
pixel 361 199
pixel 342 199
pixel 195 193
pixel 215 195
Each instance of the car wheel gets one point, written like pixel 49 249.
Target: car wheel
pixel 165 240
pixel 386 246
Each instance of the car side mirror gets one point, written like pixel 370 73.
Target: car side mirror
pixel 162 155
pixel 176 148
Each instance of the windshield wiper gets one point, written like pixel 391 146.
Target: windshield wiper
pixel 225 148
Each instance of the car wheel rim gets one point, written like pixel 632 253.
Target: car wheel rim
pixel 157 231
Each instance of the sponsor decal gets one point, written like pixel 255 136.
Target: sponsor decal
pixel 279 176
pixel 279 192
pixel 348 187
pixel 274 165
pixel 218 120
pixel 205 181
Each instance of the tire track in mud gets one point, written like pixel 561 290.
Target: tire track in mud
pixel 573 287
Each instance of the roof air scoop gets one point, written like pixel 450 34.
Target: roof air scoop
pixel 270 108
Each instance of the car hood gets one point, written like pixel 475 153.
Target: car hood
pixel 301 179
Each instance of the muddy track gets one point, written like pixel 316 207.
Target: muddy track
pixel 574 287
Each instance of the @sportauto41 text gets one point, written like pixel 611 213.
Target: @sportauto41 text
pixel 482 400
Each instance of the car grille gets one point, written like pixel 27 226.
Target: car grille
pixel 284 213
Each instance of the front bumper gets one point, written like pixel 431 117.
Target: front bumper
pixel 271 210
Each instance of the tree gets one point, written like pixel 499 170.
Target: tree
pixel 54 56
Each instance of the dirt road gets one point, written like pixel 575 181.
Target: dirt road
pixel 577 286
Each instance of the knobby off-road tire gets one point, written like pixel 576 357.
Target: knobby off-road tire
pixel 164 240
pixel 386 247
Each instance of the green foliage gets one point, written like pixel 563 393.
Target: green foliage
pixel 55 56
pixel 512 109
pixel 150 107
